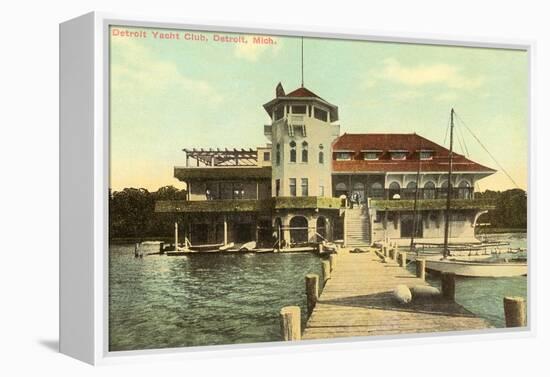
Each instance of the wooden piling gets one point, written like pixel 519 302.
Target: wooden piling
pixel 290 323
pixel 312 291
pixel 385 250
pixel 515 311
pixel 403 259
pixel 326 271
pixel 332 260
pixel 421 268
pixel 448 285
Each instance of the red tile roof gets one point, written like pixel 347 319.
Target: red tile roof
pixel 413 143
pixel 302 92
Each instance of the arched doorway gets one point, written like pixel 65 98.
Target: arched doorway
pixel 377 190
pixel 464 191
pixel 394 191
pixel 321 229
pixel 340 189
pixel 429 190
pixel 410 192
pixel 358 192
pixel 298 230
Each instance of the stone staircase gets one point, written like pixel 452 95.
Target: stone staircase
pixel 357 227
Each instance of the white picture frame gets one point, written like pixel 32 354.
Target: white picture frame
pixel 84 166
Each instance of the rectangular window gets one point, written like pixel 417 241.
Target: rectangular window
pixel 371 155
pixel 304 187
pixel 266 156
pixel 298 109
pixel 343 156
pixel 292 186
pixel 399 155
pixel 320 114
pixel 277 187
pixel 426 155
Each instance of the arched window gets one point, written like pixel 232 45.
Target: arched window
pixel 292 145
pixel 278 154
pixel 340 189
pixel 304 151
pixel 464 191
pixel 394 191
pixel 376 190
pixel 429 190
pixel 410 193
pixel 321 154
pixel 444 189
pixel 298 230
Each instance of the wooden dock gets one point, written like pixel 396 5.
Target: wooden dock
pixel 358 301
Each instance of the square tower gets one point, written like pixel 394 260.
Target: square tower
pixel 301 133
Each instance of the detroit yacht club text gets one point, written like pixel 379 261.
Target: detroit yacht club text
pixel 192 36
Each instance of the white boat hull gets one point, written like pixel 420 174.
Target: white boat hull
pixel 478 269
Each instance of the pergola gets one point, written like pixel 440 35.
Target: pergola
pixel 221 157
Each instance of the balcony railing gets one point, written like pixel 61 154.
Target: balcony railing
pixel 439 193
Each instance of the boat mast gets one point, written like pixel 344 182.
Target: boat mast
pixel 416 198
pixel 449 191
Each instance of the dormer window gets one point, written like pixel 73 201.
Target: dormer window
pixel 426 155
pixel 371 155
pixel 399 155
pixel 343 156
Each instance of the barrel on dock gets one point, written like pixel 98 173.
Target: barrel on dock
pixel 290 323
pixel 515 311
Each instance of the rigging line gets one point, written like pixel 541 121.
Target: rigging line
pixel 467 152
pixel 487 150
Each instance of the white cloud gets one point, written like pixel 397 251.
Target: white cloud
pixel 253 51
pixel 423 74
pixel 136 68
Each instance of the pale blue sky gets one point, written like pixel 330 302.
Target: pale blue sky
pixel 170 94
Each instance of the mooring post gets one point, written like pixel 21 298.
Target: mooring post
pixel 312 291
pixel 403 259
pixel 385 250
pixel 326 271
pixel 515 311
pixel 448 285
pixel 332 260
pixel 161 248
pixel 290 323
pixel 392 253
pixel 421 268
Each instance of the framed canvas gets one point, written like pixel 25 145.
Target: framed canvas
pixel 228 188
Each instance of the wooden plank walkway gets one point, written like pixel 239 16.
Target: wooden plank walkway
pixel 358 301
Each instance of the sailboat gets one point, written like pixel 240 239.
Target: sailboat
pixel 489 266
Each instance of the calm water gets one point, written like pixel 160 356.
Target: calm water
pixel 161 301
